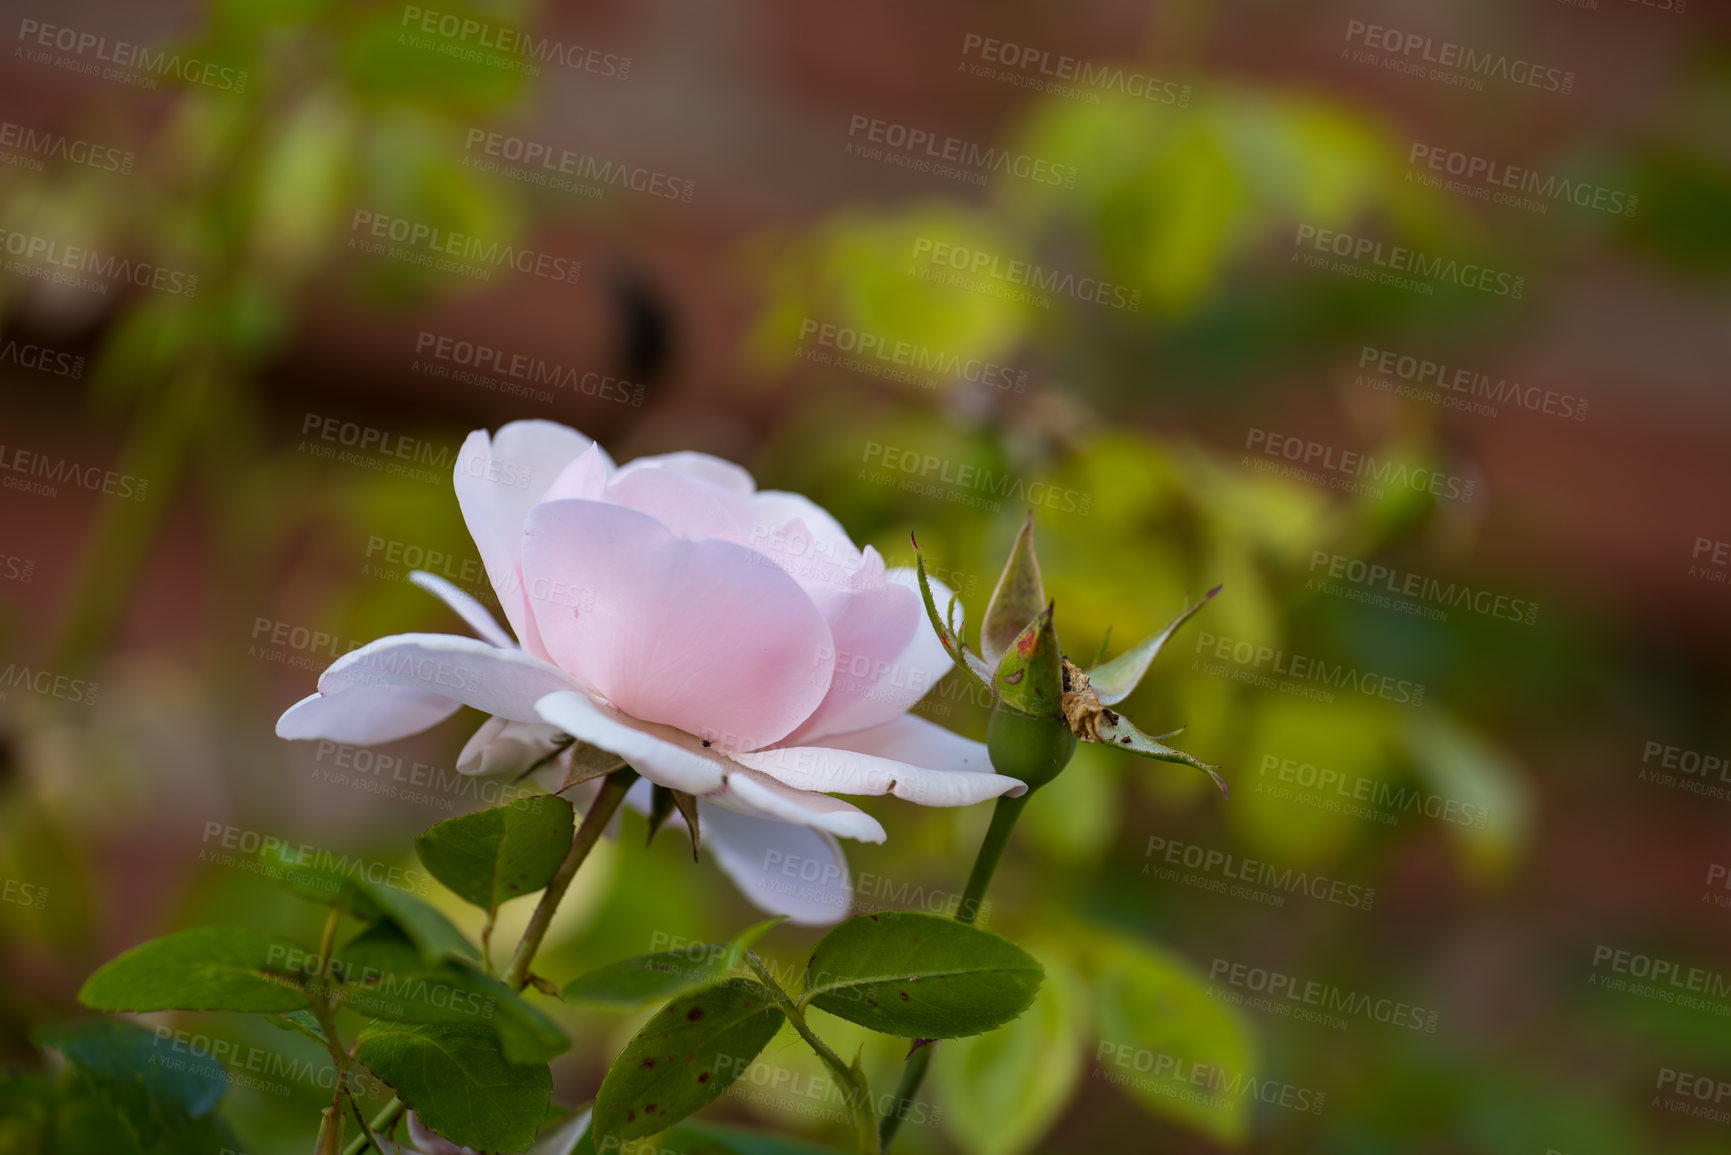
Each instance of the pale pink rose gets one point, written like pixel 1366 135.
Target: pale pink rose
pixel 727 642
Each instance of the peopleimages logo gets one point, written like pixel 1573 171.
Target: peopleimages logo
pixel 565 171
pixel 434 242
pixel 32 472
pixel 67 261
pixel 1456 60
pixel 1361 467
pixel 1025 274
pixel 516 50
pixel 1494 181
pixel 1455 387
pixel 1396 259
pixel 37 145
pixel 519 374
pixel 1312 1000
pixel 153 64
pixel 875 355
pixel 1233 869
pixel 1429 597
pixel 1351 794
pixel 925 150
pixel 1176 1077
pixel 46 683
pixel 1029 67
pixel 966 475
pixel 42 359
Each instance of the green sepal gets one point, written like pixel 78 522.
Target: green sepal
pixel 1115 680
pixel 660 807
pixel 1119 732
pixel 1030 675
pixel 970 665
pixel 1017 600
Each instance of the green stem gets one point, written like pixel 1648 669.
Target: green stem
pixel 366 1136
pixel 612 793
pixel 330 1140
pixel 331 1127
pixel 859 1098
pixel 328 940
pixel 1004 817
pixel 913 1074
pixel 382 1122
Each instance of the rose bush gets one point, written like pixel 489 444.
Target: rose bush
pixel 725 642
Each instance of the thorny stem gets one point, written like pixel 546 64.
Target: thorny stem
pixel 859 1098
pixel 1004 818
pixel 612 793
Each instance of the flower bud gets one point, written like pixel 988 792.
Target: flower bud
pixel 1027 747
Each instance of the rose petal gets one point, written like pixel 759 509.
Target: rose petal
pixel 699 635
pixel 498 480
pixel 465 606
pixel 774 507
pixel 584 479
pixel 659 753
pixel 717 471
pixel 911 738
pixel 455 669
pixel 365 715
pixel 873 629
pixel 841 770
pixel 502 746
pixel 780 868
pixel 752 792
pixel 687 506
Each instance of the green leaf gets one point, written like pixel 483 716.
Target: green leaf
pixel 1495 801
pixel 350 891
pixel 207 968
pixel 1152 1004
pixel 710 1139
pixel 1113 681
pixel 25 1098
pixel 386 977
pixel 685 1056
pixel 459 1082
pixel 654 978
pixel 153 1089
pixel 494 855
pixel 432 933
pixel 921 976
pixel 1003 1091
pixel 1018 598
pixel 1120 733
pixel 300 1022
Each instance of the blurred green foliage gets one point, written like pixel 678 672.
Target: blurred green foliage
pixel 1196 208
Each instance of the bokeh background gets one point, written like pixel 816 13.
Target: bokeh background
pixel 193 528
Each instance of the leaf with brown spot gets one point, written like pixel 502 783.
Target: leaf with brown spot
pixel 721 1029
pixel 652 978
